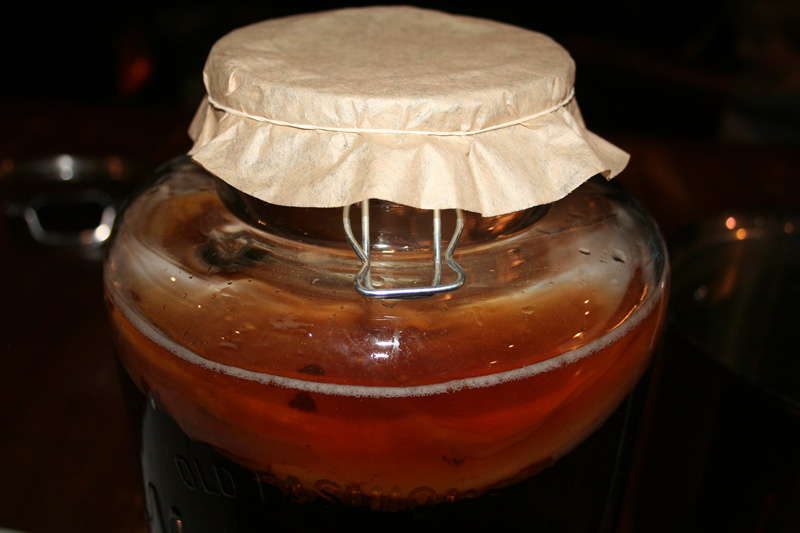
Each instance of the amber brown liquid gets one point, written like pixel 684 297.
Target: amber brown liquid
pixel 189 486
pixel 519 475
pixel 433 448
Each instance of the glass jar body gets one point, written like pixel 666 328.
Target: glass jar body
pixel 246 331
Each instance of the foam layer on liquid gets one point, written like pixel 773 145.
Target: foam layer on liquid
pixel 490 380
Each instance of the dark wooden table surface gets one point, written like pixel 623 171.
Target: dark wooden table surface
pixel 66 459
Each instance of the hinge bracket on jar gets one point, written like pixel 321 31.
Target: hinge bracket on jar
pixel 363 280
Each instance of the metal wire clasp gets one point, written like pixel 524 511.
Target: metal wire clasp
pixel 363 280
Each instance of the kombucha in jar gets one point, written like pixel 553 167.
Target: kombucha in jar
pixel 271 358
pixel 253 339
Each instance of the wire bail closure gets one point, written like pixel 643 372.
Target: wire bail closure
pixel 363 280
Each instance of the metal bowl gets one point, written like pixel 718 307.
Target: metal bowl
pixel 67 201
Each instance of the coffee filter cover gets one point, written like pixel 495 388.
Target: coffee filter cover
pixel 412 106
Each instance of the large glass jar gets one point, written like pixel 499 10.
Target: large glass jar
pixel 239 323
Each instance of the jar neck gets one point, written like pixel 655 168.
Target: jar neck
pixel 392 225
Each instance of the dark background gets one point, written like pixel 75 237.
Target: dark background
pixel 711 69
pixel 704 95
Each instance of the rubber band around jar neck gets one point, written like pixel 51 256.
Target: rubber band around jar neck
pixel 276 122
